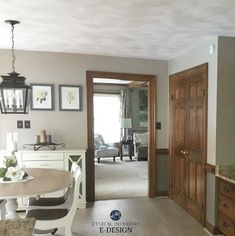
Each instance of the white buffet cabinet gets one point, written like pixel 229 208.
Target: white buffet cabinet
pixel 58 159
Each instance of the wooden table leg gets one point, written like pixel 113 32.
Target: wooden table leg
pixel 121 151
pixel 130 150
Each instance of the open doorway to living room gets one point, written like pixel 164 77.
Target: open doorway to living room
pixel 120 138
pixel 123 153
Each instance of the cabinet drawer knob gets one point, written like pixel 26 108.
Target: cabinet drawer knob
pixel 226 190
pixel 225 225
pixel 44 165
pixel 225 205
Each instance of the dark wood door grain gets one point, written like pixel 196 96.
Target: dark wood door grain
pixel 196 142
pixel 178 121
pixel 188 132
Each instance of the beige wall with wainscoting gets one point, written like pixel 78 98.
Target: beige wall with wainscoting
pixel 221 99
pixel 225 135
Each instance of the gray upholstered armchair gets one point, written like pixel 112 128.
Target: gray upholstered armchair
pixel 141 145
pixel 103 150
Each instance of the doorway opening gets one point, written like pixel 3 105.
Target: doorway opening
pixel 150 81
pixel 121 139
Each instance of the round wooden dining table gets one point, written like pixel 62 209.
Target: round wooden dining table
pixel 43 181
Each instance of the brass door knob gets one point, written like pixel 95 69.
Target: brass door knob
pixel 183 152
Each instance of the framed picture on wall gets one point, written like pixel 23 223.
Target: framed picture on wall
pixel 70 97
pixel 42 97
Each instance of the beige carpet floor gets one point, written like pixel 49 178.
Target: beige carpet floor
pixel 120 179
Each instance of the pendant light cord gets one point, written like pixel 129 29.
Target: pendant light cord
pixel 12 48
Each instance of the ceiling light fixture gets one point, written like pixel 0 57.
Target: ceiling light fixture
pixel 14 93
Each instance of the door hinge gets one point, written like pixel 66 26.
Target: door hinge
pixel 202 207
pixel 171 97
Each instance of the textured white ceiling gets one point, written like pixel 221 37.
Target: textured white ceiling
pixel 159 29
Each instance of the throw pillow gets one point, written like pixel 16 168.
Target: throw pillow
pixel 99 142
pixel 141 138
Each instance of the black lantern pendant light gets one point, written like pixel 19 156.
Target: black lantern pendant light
pixel 14 93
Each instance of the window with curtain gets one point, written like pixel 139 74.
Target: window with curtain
pixel 106 116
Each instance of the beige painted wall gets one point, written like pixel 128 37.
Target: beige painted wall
pixel 63 68
pixel 198 56
pixel 225 148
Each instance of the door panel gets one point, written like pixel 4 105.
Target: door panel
pixel 192 180
pixel 199 184
pixel 188 116
pixel 196 143
pixel 179 167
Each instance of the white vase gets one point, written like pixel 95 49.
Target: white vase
pixel 12 139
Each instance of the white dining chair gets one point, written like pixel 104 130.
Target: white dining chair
pixel 52 218
pixel 3 209
pixel 37 202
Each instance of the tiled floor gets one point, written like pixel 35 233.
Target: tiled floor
pixel 143 216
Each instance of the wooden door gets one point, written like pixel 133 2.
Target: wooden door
pixel 178 140
pixel 188 140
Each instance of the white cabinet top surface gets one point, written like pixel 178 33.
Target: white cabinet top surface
pixel 48 150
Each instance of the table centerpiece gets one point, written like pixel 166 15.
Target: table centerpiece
pixel 11 172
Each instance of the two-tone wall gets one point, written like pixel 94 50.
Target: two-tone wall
pixel 221 99
pixel 225 131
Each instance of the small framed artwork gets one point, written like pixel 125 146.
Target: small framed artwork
pixel 70 97
pixel 42 97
